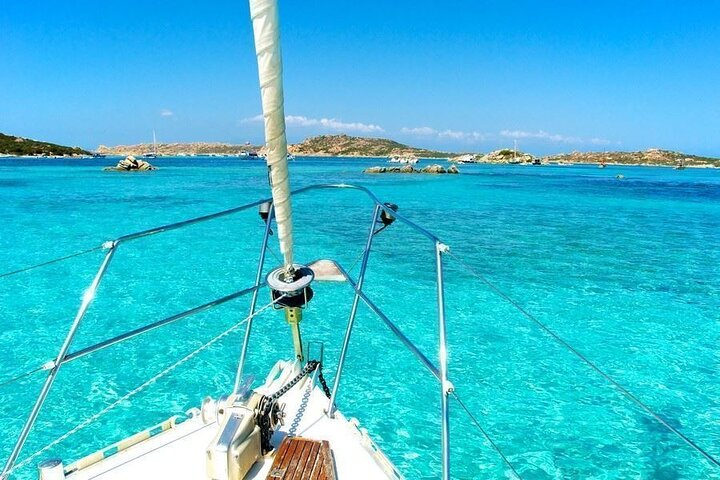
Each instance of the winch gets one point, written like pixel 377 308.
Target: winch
pixel 246 427
pixel 290 289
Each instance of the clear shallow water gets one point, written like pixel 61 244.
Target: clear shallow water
pixel 627 271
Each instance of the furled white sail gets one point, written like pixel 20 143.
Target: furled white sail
pixel 266 26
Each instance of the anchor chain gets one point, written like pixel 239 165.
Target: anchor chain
pixel 309 368
pixel 269 414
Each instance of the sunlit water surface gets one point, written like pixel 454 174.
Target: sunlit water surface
pixel 625 270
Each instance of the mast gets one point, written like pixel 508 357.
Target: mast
pixel 264 15
pixel 154 144
pixel 289 284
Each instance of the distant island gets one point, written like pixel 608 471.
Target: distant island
pixel 651 157
pixel 179 149
pixel 349 146
pixel 19 146
pixel 321 146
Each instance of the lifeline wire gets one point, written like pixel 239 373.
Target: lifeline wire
pixel 138 389
pixel 588 362
pixel 50 262
pixel 486 435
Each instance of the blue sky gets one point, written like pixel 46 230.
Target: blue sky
pixel 463 76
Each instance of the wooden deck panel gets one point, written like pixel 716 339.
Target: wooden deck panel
pixel 300 458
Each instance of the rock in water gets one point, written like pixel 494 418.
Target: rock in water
pixel 130 164
pixel 433 169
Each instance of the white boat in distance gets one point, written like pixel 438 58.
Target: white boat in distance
pixel 404 159
pixel 407 159
pixel 466 158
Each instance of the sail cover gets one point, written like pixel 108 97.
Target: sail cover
pixel 266 27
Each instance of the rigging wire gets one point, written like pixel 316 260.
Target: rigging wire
pixel 50 262
pixel 275 255
pixel 486 435
pixel 362 250
pixel 21 376
pixel 138 389
pixel 586 360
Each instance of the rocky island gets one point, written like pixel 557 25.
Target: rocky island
pixel 19 146
pixel 505 155
pixel 650 157
pixel 318 146
pixel 179 149
pixel 348 146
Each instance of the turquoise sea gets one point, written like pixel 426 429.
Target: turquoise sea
pixel 626 270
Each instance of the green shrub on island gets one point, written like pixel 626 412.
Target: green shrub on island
pixel 12 145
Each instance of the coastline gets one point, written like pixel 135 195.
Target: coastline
pixel 362 157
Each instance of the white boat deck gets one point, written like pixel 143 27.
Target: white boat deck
pixel 180 452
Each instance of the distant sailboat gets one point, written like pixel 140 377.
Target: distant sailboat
pixel 152 154
pixel 515 160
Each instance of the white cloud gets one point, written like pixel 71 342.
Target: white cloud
pixel 460 135
pixel 452 134
pixel 552 137
pixel 166 113
pixel 540 135
pixel 420 131
pixel 326 123
pixel 256 119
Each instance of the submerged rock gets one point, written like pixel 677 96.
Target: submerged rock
pixel 129 164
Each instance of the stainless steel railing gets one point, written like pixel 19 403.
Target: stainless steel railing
pixel 63 356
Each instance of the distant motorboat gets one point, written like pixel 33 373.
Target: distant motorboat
pixel 467 158
pixel 536 161
pixel 290 157
pixel 404 159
